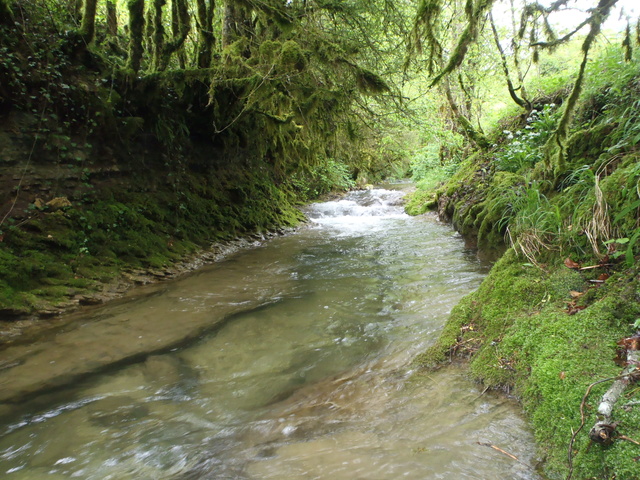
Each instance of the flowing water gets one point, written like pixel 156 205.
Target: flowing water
pixel 289 360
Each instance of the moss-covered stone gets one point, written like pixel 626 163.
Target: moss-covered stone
pixel 420 201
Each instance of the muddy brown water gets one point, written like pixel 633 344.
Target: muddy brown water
pixel 289 360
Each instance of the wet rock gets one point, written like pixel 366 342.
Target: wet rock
pixel 162 369
pixel 91 299
pixel 113 411
pixel 10 313
pixel 136 278
pixel 58 203
pixel 49 311
pixel 158 273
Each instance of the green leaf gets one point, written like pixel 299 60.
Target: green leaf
pixel 625 211
pixel 629 258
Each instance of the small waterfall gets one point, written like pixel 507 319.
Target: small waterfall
pixel 358 210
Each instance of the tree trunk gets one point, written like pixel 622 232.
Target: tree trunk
pixel 88 24
pixel 463 122
pixel 157 34
pixel 206 38
pixel 175 30
pixel 231 21
pixel 136 31
pixel 516 53
pixel 112 18
pixel 181 25
pixel 557 159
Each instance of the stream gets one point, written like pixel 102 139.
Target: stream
pixel 287 360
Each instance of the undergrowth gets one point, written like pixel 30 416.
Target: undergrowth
pixel 540 327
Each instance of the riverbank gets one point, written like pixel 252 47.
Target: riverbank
pixel 24 329
pixel 99 190
pixel 117 168
pixel 141 227
pixel 549 322
pixel 307 376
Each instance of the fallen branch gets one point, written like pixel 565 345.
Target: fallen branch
pixel 582 419
pixel 602 431
pixel 600 265
pixel 481 394
pixel 624 437
pixel 499 450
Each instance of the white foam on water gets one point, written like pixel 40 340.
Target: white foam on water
pixel 358 211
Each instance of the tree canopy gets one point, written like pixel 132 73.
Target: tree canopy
pixel 319 76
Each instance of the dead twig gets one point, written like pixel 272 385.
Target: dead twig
pixel 624 437
pixel 481 393
pixel 591 267
pixel 498 449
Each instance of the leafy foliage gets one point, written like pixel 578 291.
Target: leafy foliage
pixel 545 321
pixel 525 147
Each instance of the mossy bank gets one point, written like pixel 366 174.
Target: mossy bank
pixel 75 228
pixel 545 323
pixel 128 147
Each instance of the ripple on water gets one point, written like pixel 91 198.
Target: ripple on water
pixel 306 377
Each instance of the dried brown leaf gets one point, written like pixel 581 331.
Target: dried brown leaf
pixel 571 264
pixel 573 309
pixel 630 343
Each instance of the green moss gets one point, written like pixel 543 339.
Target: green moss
pixel 292 56
pixel 521 338
pixel 557 356
pixel 585 146
pixel 525 329
pixel 485 314
pixel 420 201
pixel 53 256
